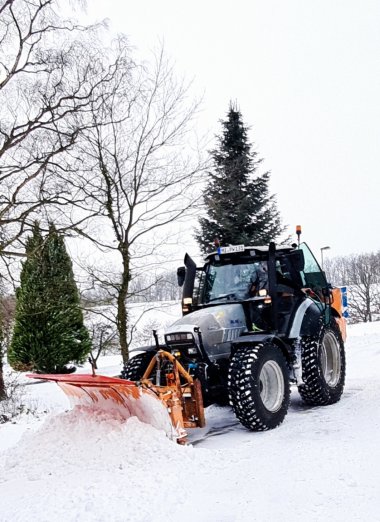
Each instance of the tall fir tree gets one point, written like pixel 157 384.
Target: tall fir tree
pixel 49 332
pixel 239 208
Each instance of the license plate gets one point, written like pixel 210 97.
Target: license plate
pixel 231 249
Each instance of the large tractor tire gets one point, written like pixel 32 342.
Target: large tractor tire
pixel 323 367
pixel 135 368
pixel 258 386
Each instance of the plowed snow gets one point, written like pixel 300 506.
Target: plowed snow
pixel 322 463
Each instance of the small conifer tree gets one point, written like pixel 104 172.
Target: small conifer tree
pixel 49 332
pixel 239 208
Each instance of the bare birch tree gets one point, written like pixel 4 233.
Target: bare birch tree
pixel 138 170
pixel 49 72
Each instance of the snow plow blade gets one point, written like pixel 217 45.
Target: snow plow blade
pixel 171 408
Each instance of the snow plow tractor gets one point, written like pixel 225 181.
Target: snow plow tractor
pixel 255 321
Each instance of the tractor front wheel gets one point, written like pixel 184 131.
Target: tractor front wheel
pixel 258 386
pixel 135 368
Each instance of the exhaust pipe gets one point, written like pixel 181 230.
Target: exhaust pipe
pixel 188 284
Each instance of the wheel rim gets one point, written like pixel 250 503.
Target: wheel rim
pixel 330 359
pixel 272 386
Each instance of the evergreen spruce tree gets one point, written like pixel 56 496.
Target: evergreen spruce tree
pixel 49 332
pixel 29 306
pixel 239 208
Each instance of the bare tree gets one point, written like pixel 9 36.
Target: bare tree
pixel 2 383
pixel 102 340
pixel 49 72
pixel 361 274
pixel 364 277
pixel 160 286
pixel 138 171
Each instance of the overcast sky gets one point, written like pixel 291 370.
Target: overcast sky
pixel 306 76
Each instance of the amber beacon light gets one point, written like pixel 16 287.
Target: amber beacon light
pixel 298 232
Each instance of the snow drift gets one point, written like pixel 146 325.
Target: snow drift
pixel 322 463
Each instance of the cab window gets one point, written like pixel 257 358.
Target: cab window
pixel 312 275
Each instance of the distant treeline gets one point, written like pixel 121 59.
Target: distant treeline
pixel 360 273
pixel 148 288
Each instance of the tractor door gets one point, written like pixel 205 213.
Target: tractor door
pixel 314 278
pixel 312 275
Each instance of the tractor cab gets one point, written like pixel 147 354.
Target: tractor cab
pixel 269 282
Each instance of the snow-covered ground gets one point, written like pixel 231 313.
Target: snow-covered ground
pixel 321 464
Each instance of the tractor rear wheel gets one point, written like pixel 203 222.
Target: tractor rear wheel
pixel 258 386
pixel 135 368
pixel 323 367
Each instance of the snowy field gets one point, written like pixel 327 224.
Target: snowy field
pixel 321 464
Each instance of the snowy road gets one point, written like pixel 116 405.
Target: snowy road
pixel 321 464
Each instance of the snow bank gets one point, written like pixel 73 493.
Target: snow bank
pixel 323 463
pixel 81 467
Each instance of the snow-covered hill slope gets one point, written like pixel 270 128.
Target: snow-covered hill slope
pixel 321 464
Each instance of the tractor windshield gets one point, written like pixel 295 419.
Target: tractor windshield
pixel 233 281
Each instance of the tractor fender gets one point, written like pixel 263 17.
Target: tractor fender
pixel 258 338
pixel 307 320
pixel 341 322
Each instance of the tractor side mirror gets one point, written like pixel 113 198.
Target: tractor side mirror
pixel 181 273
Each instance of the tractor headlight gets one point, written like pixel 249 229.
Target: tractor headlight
pixel 179 337
pixel 183 342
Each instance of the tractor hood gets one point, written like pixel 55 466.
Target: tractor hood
pixel 219 325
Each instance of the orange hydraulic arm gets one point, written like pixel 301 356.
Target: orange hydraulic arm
pixel 183 399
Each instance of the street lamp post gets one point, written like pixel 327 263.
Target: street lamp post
pixel 322 249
